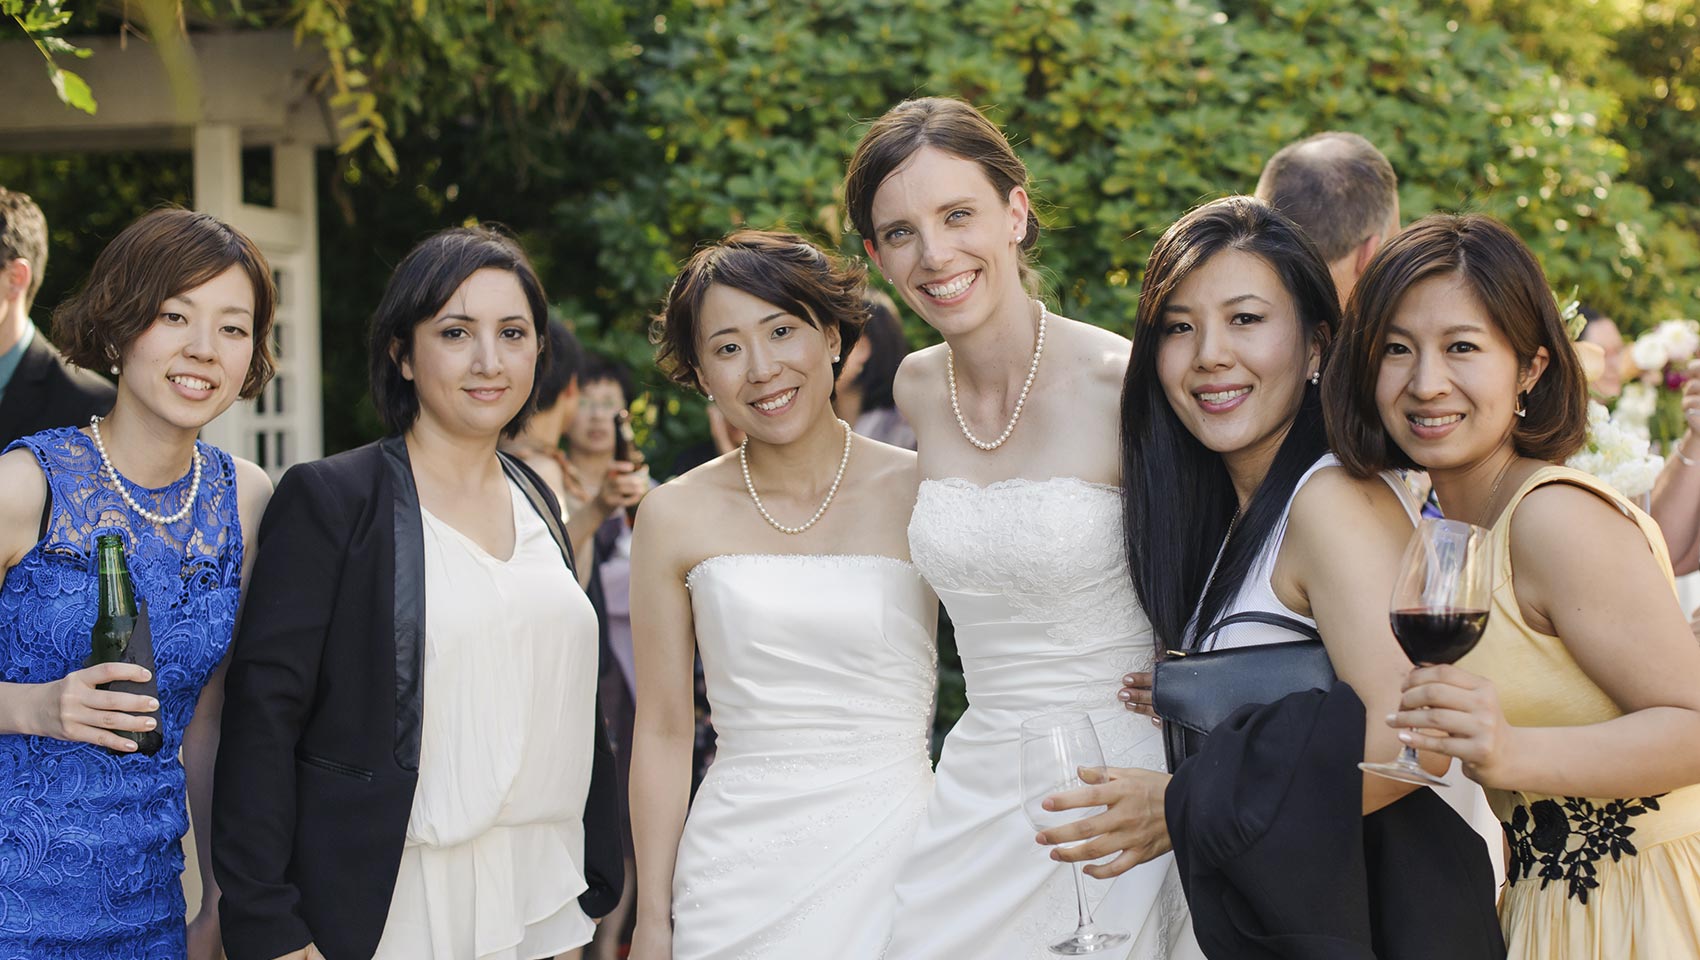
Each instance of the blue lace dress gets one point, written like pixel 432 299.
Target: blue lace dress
pixel 90 856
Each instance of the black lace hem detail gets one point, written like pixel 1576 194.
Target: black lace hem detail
pixel 1562 840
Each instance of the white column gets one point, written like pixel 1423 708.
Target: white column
pixel 284 424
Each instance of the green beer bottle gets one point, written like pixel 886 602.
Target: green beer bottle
pixel 113 627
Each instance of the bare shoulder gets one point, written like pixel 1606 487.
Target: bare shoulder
pixel 20 508
pixel 674 514
pixel 1091 350
pixel 1550 522
pixel 1337 513
pixel 253 491
pixel 893 471
pixel 918 378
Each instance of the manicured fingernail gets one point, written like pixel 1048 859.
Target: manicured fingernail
pixel 1055 855
pixel 1125 695
pixel 129 745
pixel 1040 839
pixel 1405 736
pixel 151 723
pixel 153 704
pixel 1128 678
pixel 1391 716
pixel 1156 721
pixel 147 675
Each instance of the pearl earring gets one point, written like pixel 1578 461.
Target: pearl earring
pixel 1316 377
pixel 835 358
pixel 114 369
pixel 710 398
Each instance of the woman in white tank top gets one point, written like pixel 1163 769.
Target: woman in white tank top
pixel 1233 502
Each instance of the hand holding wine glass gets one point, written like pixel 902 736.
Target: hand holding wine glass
pixel 1439 609
pixel 1054 748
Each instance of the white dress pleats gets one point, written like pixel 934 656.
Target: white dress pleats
pixel 494 860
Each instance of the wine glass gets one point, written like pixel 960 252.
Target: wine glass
pixel 1439 609
pixel 1053 749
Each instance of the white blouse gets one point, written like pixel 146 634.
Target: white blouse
pixel 494 859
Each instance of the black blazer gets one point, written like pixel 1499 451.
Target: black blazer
pixel 47 392
pixel 319 755
pixel 1278 861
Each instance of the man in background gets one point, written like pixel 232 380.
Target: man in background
pixel 38 389
pixel 1342 193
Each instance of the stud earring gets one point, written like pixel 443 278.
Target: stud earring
pixel 1316 378
pixel 835 358
pixel 114 369
pixel 710 397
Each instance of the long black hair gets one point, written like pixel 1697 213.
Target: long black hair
pixel 1176 493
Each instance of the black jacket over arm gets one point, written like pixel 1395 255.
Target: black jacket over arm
pixel 319 755
pixel 46 392
pixel 1278 861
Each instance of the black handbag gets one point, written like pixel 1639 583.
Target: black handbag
pixel 1193 691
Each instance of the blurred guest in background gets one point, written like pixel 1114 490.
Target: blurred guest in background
pixel 38 389
pixel 601 487
pixel 863 396
pixel 180 306
pixel 539 443
pixel 1602 331
pixel 1342 193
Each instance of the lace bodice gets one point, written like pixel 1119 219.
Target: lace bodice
pixel 1021 559
pixel 90 860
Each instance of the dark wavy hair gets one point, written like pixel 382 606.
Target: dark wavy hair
pixel 164 253
pixel 819 288
pixel 1176 492
pixel 425 280
pixel 1505 277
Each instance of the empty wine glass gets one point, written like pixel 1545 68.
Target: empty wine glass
pixel 1053 749
pixel 1439 609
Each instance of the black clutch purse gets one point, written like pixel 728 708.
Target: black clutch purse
pixel 1193 691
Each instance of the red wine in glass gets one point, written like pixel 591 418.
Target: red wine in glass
pixel 1438 611
pixel 1438 636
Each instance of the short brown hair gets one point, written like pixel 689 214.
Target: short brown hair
pixel 1504 276
pixel 23 236
pixel 164 253
pixel 783 269
pixel 950 125
pixel 1336 186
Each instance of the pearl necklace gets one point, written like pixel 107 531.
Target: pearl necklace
pixel 112 473
pixel 744 461
pixel 1032 371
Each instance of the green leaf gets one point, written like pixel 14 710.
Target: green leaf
pixel 73 90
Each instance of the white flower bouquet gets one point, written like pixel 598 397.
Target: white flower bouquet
pixel 1617 453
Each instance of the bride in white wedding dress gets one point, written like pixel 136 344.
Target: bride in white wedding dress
pixel 785 565
pixel 1018 528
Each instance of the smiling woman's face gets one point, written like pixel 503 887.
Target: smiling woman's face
pixel 474 361
pixel 770 372
pixel 1233 358
pixel 1449 378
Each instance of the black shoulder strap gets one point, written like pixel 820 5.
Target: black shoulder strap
pixel 542 502
pixel 1293 624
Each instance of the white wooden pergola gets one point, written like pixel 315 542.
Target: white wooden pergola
pixel 249 89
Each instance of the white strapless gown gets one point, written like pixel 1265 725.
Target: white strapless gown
pixel 820 674
pixel 1034 574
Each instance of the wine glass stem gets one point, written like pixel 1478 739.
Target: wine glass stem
pixel 1408 757
pixel 1080 900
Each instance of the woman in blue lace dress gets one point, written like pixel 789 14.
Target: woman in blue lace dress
pixel 179 305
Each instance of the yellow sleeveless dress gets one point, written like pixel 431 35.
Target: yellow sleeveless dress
pixel 1604 878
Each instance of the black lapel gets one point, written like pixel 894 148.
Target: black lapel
pixel 409 603
pixel 20 404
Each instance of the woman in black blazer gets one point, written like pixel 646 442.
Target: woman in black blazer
pixel 341 809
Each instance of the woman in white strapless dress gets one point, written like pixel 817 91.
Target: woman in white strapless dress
pixel 1019 531
pixel 785 565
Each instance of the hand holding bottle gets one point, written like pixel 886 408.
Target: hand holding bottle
pixel 73 708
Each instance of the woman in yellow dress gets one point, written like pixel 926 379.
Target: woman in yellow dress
pixel 1579 710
